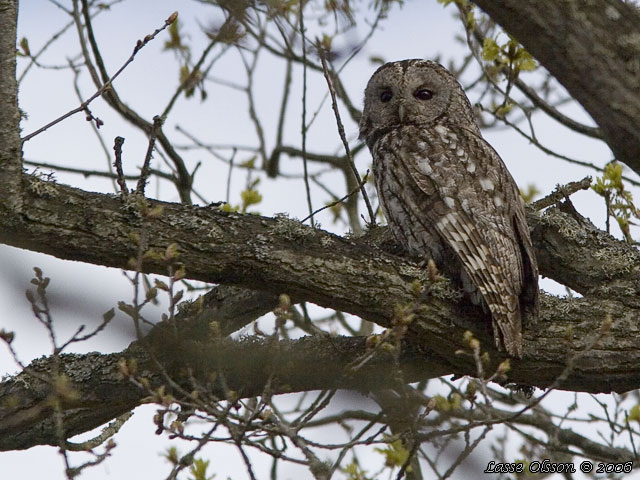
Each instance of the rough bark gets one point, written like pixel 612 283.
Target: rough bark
pixel 247 366
pixel 593 49
pixel 272 254
pixel 10 144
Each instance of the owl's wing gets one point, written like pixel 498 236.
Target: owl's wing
pixel 529 302
pixel 475 216
pixel 516 227
pixel 488 266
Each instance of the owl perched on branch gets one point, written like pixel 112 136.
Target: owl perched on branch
pixel 446 193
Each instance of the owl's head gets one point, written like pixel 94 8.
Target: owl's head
pixel 412 92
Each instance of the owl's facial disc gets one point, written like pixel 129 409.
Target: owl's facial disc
pixel 409 92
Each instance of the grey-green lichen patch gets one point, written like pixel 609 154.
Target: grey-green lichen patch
pixel 261 239
pixel 612 13
pixel 326 241
pixel 445 290
pixel 616 260
pixel 42 186
pixel 558 306
pixel 552 306
pixel 411 270
pixel 615 291
pixel 132 206
pixel 216 235
pixel 291 229
pixel 190 306
pixel 565 224
pixel 609 256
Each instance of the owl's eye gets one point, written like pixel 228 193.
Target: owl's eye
pixel 385 96
pixel 423 94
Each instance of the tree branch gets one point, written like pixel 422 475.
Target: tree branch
pixel 100 392
pixel 248 367
pixel 10 145
pixel 592 48
pixel 280 255
pixel 277 255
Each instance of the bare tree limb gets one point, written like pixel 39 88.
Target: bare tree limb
pixel 100 391
pixel 265 254
pixel 10 145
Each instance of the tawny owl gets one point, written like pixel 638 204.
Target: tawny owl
pixel 446 193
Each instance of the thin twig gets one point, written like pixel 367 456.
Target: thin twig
pixel 107 85
pixel 231 160
pixel 101 141
pixel 250 69
pixel 93 173
pixel 304 115
pixel 556 114
pixel 343 137
pixel 465 453
pixel 539 102
pixel 193 75
pixel 107 432
pixel 333 160
pixel 145 170
pixel 548 151
pixel 560 193
pixel 183 179
pixel 549 109
pixel 34 57
pixel 273 166
pixel 332 204
pixel 117 147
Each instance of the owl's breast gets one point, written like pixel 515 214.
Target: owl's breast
pixel 406 200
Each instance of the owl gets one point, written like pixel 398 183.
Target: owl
pixel 447 195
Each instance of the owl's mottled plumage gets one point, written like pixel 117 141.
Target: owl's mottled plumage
pixel 446 193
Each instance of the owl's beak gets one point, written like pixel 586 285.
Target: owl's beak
pixel 401 112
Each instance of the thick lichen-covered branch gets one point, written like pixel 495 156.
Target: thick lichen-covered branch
pixel 280 255
pixel 96 390
pixel 597 336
